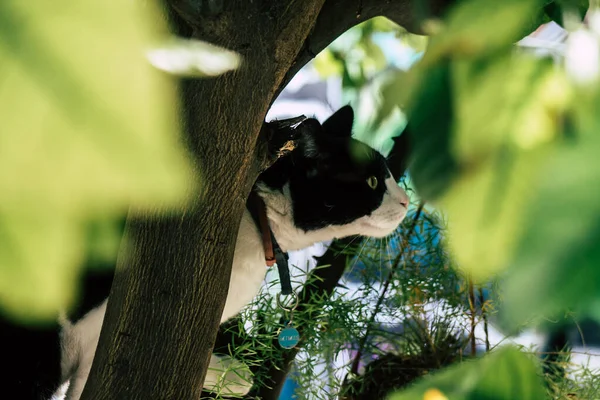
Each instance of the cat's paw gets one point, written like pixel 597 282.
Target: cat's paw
pixel 228 376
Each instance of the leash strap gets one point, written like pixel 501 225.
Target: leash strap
pixel 273 252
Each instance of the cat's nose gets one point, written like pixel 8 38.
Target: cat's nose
pixel 402 198
pixel 397 193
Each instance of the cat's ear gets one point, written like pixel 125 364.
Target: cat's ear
pixel 310 132
pixel 340 123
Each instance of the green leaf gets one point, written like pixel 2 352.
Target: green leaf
pixel 430 114
pixel 374 58
pixel 40 253
pixel 556 9
pixel 506 374
pixel 475 28
pixel 327 64
pixel 193 58
pixel 506 119
pixel 89 128
pixel 556 263
pixel 472 37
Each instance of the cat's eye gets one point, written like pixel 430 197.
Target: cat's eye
pixel 372 182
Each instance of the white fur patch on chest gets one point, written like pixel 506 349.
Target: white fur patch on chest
pixel 248 270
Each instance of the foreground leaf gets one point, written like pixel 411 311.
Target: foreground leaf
pixel 193 58
pixel 475 28
pixel 506 122
pixel 506 374
pixel 556 263
pixel 89 128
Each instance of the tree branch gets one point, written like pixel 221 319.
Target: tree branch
pixel 171 283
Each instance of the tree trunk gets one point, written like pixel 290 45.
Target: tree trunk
pixel 172 279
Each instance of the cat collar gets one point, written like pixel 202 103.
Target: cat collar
pixel 273 252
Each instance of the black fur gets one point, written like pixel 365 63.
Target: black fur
pixel 31 354
pixel 31 361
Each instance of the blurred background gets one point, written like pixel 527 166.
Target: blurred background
pixel 497 255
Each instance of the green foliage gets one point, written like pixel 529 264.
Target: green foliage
pixel 335 324
pixel 505 374
pixel 476 29
pixel 504 144
pixel 475 115
pixel 490 149
pixel 561 254
pixel 582 382
pixel 354 56
pixel 89 129
pixel 359 60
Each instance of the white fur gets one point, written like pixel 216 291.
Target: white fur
pixel 79 341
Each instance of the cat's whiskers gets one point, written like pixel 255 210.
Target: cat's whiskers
pixel 381 257
pixel 345 247
pixel 388 252
pixel 358 254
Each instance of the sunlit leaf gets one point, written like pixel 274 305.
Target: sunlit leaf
pixel 430 114
pixel 382 24
pixel 89 128
pixel 556 263
pixel 327 64
pixel 374 56
pixel 193 58
pixel 506 374
pixel 506 117
pixel 39 256
pixel 476 28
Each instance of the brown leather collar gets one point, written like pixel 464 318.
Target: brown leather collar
pixel 265 230
pixel 273 252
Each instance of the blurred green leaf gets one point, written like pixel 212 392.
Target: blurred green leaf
pixel 192 58
pixel 40 252
pixel 476 28
pixel 482 119
pixel 383 24
pixel 430 112
pixel 556 263
pixel 507 114
pixel 89 128
pixel 506 374
pixel 374 58
pixel 327 64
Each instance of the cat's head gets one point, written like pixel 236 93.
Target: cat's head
pixel 332 186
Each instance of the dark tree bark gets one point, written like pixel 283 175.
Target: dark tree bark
pixel 171 282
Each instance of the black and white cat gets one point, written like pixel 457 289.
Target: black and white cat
pixel 330 186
